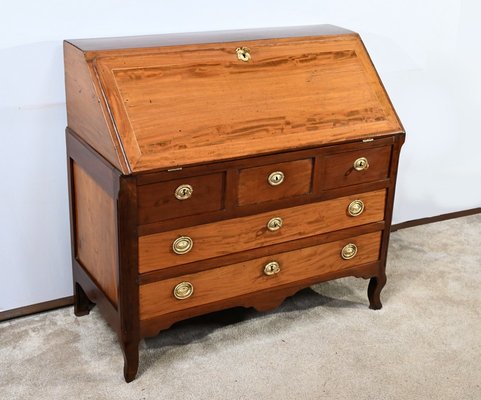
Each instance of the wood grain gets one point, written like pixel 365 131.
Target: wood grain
pixel 338 170
pixel 255 188
pixel 96 232
pixel 294 93
pixel 234 280
pixel 85 114
pixel 92 47
pixel 264 300
pixel 157 202
pixel 242 234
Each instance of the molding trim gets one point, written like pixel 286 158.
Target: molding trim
pixel 36 308
pixel 437 218
pixel 68 301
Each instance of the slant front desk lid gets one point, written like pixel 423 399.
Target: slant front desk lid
pixel 168 101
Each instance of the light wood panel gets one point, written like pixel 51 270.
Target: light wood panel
pixel 96 232
pixel 85 114
pixel 255 188
pixel 190 104
pixel 241 234
pixel 247 277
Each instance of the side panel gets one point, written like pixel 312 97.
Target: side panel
pixel 96 231
pixel 84 110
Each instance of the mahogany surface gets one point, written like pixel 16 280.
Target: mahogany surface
pixel 237 279
pixel 149 114
pixel 241 234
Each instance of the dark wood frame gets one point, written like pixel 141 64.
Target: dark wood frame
pixel 69 300
pixel 124 318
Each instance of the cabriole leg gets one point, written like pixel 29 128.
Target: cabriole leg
pixel 374 289
pixel 130 350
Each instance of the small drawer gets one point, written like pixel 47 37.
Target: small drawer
pixel 355 167
pixel 186 245
pixel 209 286
pixel 274 181
pixel 180 197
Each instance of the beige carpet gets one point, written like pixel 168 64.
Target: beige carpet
pixel 324 343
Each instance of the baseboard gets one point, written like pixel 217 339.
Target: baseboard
pixel 68 301
pixel 36 308
pixel 437 218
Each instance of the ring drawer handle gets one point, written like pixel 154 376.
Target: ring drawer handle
pixel 361 164
pixel 355 208
pixel 276 178
pixel 243 53
pixel 182 245
pixel 272 268
pixel 183 290
pixel 275 224
pixel 183 192
pixel 349 251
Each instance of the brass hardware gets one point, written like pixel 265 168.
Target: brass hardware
pixel 183 192
pixel 355 208
pixel 361 164
pixel 183 290
pixel 349 251
pixel 182 245
pixel 367 140
pixel 272 268
pixel 276 178
pixel 274 224
pixel 243 53
pixel 174 169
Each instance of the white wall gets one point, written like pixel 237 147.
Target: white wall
pixel 427 53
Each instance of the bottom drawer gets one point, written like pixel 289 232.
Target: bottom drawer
pixel 213 285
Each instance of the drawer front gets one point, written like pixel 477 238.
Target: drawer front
pixel 274 181
pixel 240 234
pixel 234 280
pixel 371 165
pixel 180 197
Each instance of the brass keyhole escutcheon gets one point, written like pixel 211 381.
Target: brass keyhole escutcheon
pixel 182 245
pixel 361 164
pixel 275 224
pixel 183 192
pixel 243 54
pixel 276 178
pixel 272 268
pixel 355 208
pixel 349 251
pixel 183 290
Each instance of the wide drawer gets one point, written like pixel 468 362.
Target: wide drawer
pixel 240 234
pixel 209 286
pixel 274 181
pixel 180 197
pixel 355 167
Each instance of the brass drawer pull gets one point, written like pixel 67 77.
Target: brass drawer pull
pixel 182 245
pixel 349 251
pixel 361 164
pixel 275 224
pixel 272 268
pixel 276 178
pixel 243 53
pixel 183 192
pixel 355 208
pixel 183 290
